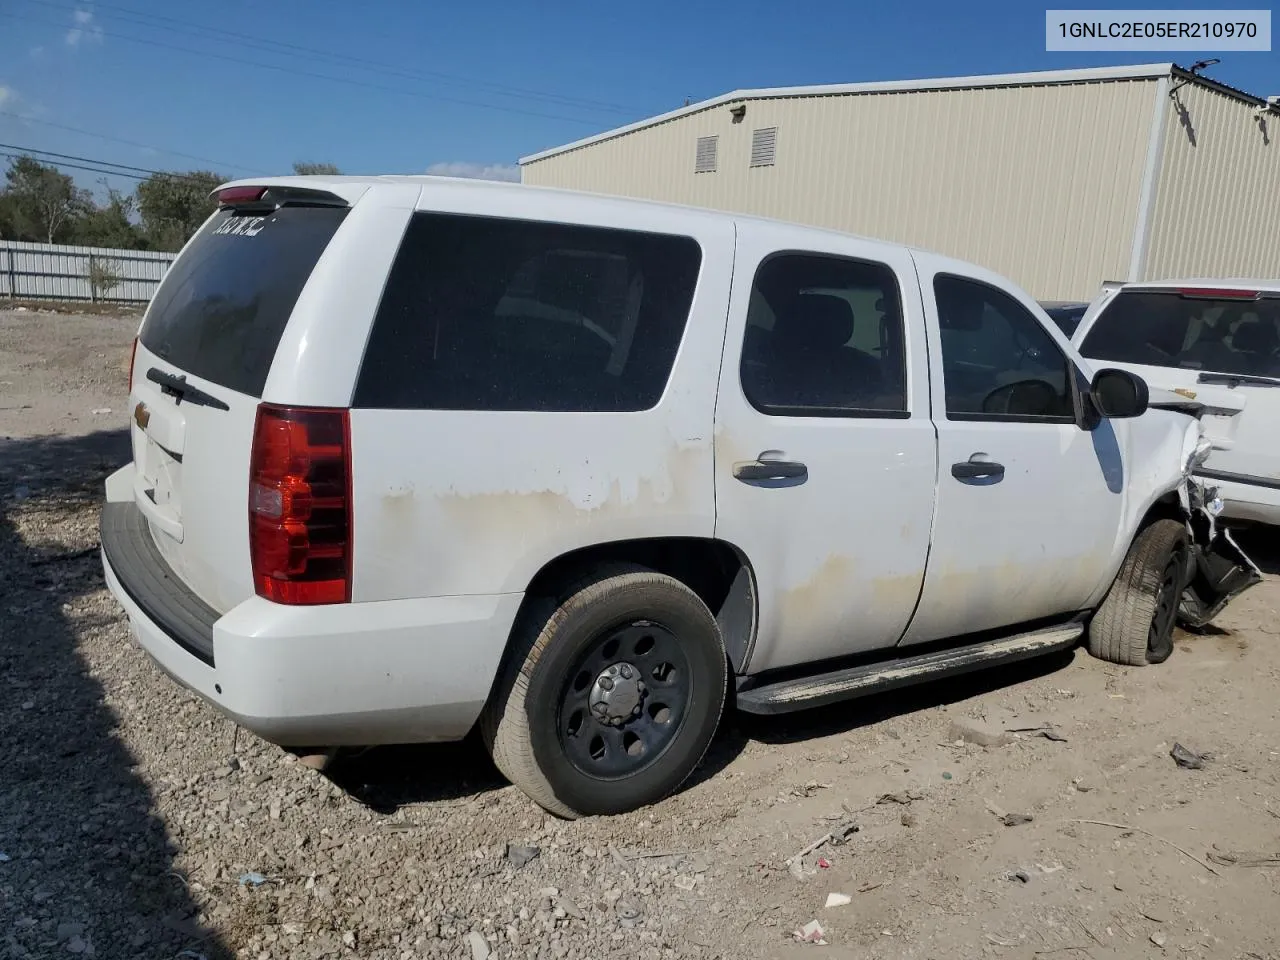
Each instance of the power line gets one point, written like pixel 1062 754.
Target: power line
pixel 75 166
pixel 130 143
pixel 30 151
pixel 313 75
pixel 266 44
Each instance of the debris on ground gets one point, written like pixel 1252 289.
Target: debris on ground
pixel 252 879
pixel 977 732
pixel 1046 730
pixel 1016 819
pixel 1159 939
pixel 520 857
pixel 811 932
pixel 838 900
pixel 1240 858
pixel 1189 759
pixel 835 836
pixel 904 798
pixel 628 913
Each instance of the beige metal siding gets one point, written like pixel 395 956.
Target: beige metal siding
pixel 1217 204
pixel 1040 183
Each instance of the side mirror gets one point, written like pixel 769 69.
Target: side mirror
pixel 1118 394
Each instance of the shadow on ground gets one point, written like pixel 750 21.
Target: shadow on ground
pixel 89 866
pixel 390 777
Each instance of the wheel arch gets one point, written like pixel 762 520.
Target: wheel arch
pixel 716 570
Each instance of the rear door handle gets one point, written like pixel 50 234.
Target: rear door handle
pixel 977 471
pixel 771 473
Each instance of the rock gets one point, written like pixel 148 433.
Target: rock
pixel 629 914
pixel 571 909
pixel 520 857
pixel 838 900
pixel 479 947
pixel 978 732
pixel 349 939
pixel 68 931
pixel 1159 939
pixel 1016 819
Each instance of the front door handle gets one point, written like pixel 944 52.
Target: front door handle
pixel 775 473
pixel 978 471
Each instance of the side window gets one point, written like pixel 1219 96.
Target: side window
pixel 998 362
pixel 491 314
pixel 824 337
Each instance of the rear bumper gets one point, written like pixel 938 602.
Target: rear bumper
pixel 1244 498
pixel 355 674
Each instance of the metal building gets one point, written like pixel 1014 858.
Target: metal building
pixel 1059 180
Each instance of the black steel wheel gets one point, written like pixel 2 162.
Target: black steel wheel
pixel 626 701
pixel 612 695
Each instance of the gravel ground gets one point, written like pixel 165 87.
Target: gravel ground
pixel 135 822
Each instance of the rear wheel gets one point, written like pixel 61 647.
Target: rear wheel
pixel 1134 625
pixel 611 696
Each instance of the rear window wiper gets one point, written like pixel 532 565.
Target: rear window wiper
pixel 178 387
pixel 1235 379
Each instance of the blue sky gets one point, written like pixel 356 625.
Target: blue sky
pixel 399 86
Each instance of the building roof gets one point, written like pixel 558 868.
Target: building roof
pixel 1148 71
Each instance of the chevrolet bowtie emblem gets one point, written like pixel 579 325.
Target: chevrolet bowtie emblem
pixel 141 416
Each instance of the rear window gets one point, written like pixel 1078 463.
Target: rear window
pixel 1169 329
pixel 224 304
pixel 484 313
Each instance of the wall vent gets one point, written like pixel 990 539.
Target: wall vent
pixel 764 146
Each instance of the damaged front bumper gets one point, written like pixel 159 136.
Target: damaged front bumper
pixel 1218 571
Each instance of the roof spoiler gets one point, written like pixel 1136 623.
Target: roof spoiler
pixel 274 197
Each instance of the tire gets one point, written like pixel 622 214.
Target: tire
pixel 1134 625
pixel 547 726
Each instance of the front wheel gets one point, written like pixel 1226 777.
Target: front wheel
pixel 1134 625
pixel 611 698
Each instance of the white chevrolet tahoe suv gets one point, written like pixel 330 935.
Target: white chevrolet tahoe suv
pixel 412 455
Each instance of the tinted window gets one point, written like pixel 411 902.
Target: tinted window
pixel 224 304
pixel 998 362
pixel 824 337
pixel 491 314
pixel 1173 330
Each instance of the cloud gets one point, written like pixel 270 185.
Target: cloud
pixel 476 171
pixel 8 97
pixel 85 28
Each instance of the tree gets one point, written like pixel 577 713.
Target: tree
pixel 111 225
pixel 174 205
pixel 303 169
pixel 43 203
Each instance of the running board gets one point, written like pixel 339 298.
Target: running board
pixel 820 689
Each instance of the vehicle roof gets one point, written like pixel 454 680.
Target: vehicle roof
pixel 351 188
pixel 1207 283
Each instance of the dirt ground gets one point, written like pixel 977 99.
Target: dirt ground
pixel 135 822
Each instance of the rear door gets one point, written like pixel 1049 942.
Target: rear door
pixel 825 459
pixel 1201 341
pixel 205 350
pixel 1028 502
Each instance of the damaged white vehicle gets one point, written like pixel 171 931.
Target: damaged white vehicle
pixel 415 455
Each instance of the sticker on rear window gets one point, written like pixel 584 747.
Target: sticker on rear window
pixel 241 226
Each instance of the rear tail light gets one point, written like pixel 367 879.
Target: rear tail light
pixel 133 355
pixel 300 505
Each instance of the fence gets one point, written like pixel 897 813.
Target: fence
pixel 51 271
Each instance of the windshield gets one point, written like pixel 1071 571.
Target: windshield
pixel 1066 316
pixel 1170 329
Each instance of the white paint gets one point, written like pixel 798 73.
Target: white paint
pixel 455 511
